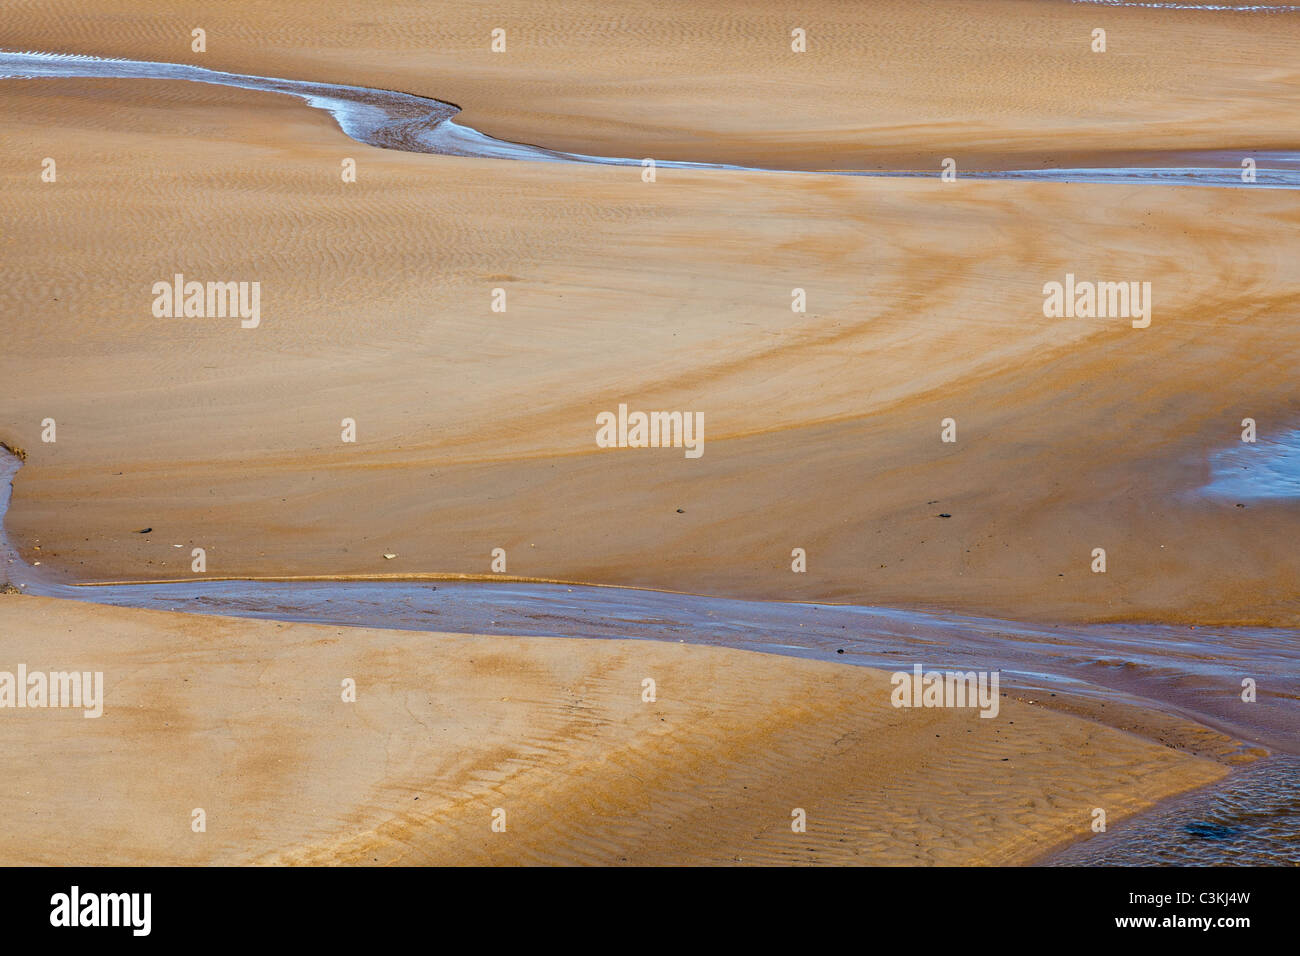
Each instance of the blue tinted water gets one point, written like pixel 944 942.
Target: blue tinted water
pixel 419 124
pixel 1267 468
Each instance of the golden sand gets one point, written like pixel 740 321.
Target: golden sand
pixel 893 83
pixel 245 720
pixel 476 429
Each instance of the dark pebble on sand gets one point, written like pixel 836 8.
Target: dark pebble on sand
pixel 145 531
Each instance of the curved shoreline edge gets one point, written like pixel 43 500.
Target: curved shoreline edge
pixel 402 121
pixel 420 124
pixel 1023 691
pixel 1129 664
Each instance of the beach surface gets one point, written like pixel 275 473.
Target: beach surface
pixel 883 83
pixel 245 720
pixel 476 429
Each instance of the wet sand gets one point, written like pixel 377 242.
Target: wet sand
pixel 1143 673
pixel 392 120
pixel 244 719
pixel 1248 818
pixel 476 428
pixel 888 83
pixel 1158 685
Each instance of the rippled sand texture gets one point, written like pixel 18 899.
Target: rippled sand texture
pixel 476 429
pixel 448 728
pixel 898 84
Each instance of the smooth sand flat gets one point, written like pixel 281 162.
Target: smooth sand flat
pixel 245 720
